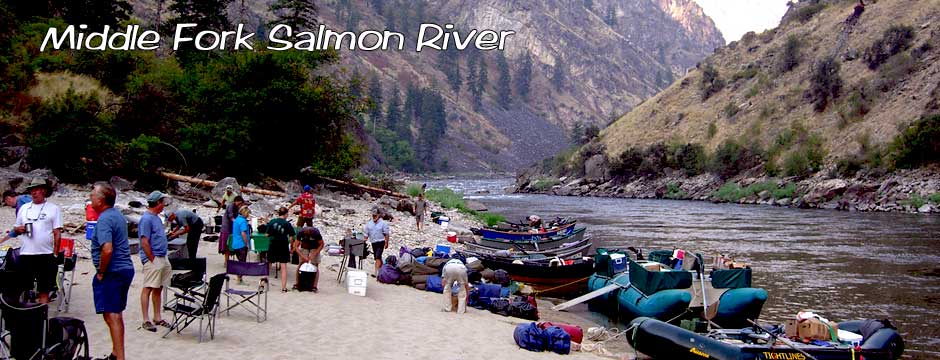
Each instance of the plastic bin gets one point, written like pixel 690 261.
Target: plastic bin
pixel 442 248
pixel 356 282
pixel 90 229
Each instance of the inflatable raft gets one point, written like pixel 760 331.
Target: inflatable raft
pixel 661 340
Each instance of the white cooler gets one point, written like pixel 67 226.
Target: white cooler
pixel 356 282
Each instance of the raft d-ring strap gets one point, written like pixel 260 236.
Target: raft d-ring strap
pixel 853 353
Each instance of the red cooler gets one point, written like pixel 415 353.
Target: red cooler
pixel 452 237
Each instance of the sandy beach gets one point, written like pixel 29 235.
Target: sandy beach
pixel 390 322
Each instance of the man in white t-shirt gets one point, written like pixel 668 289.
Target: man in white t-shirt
pixel 39 223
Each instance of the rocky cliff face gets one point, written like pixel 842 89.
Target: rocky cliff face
pixel 615 54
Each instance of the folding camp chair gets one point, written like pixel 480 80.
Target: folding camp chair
pixel 28 325
pixel 186 310
pixel 193 284
pixel 256 300
pixel 353 247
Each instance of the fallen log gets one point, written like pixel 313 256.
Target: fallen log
pixel 210 183
pixel 369 189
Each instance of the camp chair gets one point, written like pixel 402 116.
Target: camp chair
pixel 186 311
pixel 353 247
pixel 66 275
pixel 28 324
pixel 258 298
pixel 192 285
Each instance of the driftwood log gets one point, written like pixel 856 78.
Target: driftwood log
pixel 369 189
pixel 210 183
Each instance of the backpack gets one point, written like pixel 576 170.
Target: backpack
pixel 529 337
pixel 68 336
pixel 388 274
pixel 576 333
pixel 557 340
pixel 391 260
pixel 435 284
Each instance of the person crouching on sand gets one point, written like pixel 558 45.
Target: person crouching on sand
pixel 455 271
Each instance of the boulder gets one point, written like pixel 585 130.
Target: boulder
pixel 563 191
pixel 219 188
pixel 387 201
pixel 293 188
pixel 406 205
pixel 327 202
pixel 474 205
pixel 595 168
pixel 121 184
pixel 926 208
pixel 825 190
pixel 345 212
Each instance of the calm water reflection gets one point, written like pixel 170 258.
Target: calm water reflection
pixel 840 264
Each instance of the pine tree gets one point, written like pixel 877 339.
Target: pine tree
pixel 355 84
pixel 524 77
pixel 451 68
pixel 504 82
pixel 433 126
pixel 611 16
pixel 298 14
pixel 559 75
pixel 589 4
pixel 375 95
pixel 393 113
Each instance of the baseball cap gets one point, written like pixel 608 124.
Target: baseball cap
pixel 155 196
pixel 307 188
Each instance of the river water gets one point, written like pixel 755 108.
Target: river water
pixel 841 265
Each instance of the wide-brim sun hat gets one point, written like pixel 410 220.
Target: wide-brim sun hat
pixel 38 182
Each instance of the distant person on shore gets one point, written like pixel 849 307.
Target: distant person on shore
pixel 308 205
pixel 455 271
pixel 231 212
pixel 377 235
pixel 308 246
pixel 40 222
pixel 11 199
pixel 187 222
pixel 282 235
pixel 157 270
pixel 227 197
pixel 111 255
pixel 421 208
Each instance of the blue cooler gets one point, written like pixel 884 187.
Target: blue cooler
pixel 90 229
pixel 618 263
pixel 442 249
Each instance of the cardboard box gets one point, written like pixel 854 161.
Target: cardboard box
pixel 652 266
pixel 792 328
pixel 815 329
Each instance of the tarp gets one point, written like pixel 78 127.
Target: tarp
pixel 649 282
pixel 731 279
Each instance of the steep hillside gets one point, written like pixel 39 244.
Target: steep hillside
pixel 759 102
pixel 608 56
pixel 830 109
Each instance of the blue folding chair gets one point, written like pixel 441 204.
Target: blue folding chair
pixel 254 300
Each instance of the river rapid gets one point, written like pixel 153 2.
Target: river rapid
pixel 841 265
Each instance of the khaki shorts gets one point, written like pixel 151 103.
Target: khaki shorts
pixel 157 272
pixel 307 252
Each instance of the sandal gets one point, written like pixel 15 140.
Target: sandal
pixel 148 326
pixel 285 290
pixel 162 323
pixel 314 290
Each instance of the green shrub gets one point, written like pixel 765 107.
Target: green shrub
pixel 733 192
pixel 856 106
pixel 934 198
pixel 711 82
pixel 628 163
pixel 849 166
pixel 894 71
pixel 894 40
pixel 917 145
pixel 730 110
pixel 712 130
pixel 689 157
pixel 731 158
pixel 446 197
pixel 789 55
pixel 806 159
pixel 544 184
pixel 825 83
pixel 915 201
pixel 674 192
pixel 413 190
pixel 787 191
pixel 362 179
pixel 745 74
pixel 490 219
pixel 805 13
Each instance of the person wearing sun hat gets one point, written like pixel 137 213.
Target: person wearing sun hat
pixel 153 251
pixel 41 223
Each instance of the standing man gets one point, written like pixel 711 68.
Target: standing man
pixel 377 235
pixel 308 246
pixel 157 270
pixel 15 201
pixel 231 212
pixel 308 205
pixel 187 222
pixel 421 208
pixel 455 271
pixel 41 222
pixel 282 236
pixel 111 254
pixel 227 197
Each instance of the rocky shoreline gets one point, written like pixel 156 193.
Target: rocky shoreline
pixel 909 191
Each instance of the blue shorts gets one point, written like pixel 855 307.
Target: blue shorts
pixel 111 292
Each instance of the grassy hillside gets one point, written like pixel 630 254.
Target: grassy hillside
pixel 760 89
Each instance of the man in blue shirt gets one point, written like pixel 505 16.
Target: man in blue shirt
pixel 111 254
pixel 157 270
pixel 377 235
pixel 12 200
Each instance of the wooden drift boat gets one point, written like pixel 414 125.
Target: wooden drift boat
pixel 535 244
pixel 523 235
pixel 560 281
pixel 520 248
pixel 541 257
